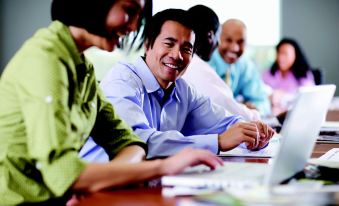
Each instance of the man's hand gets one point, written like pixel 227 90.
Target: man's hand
pixel 265 134
pixel 189 157
pixel 237 134
pixel 255 135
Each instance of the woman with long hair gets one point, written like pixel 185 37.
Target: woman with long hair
pixel 289 72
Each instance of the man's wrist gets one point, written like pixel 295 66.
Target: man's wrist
pixel 219 145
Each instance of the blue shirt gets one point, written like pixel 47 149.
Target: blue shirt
pixel 185 119
pixel 245 79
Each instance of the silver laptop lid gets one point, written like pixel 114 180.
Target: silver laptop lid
pixel 299 132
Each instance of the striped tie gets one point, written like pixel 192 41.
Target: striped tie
pixel 228 79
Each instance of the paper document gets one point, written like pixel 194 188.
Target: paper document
pixel 330 126
pixel 329 159
pixel 288 194
pixel 331 155
pixel 184 191
pixel 268 151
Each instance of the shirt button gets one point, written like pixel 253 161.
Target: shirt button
pixel 38 165
pixel 49 99
pixel 93 105
pixel 84 136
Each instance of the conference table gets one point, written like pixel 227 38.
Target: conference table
pixel 151 195
pixel 145 195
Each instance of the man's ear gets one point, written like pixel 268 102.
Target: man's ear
pixel 146 45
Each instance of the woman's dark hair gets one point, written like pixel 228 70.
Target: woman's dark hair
pixel 300 66
pixel 152 29
pixel 91 15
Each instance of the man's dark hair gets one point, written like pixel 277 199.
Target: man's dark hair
pixel 205 19
pixel 300 67
pixel 154 27
pixel 91 15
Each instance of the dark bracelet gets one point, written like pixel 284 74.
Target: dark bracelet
pixel 257 149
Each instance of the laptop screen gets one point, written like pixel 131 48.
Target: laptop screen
pixel 299 131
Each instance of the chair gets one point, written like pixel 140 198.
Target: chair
pixel 318 75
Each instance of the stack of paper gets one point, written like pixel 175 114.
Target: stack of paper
pixel 268 151
pixel 329 132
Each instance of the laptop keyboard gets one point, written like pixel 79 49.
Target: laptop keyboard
pixel 232 175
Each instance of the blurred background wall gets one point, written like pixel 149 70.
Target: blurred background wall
pixel 313 23
pixel 19 19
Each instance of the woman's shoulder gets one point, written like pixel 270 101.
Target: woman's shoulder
pixel 267 75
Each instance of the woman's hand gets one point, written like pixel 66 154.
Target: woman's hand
pixel 189 157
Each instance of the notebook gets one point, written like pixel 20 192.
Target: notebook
pixel 329 133
pixel 299 133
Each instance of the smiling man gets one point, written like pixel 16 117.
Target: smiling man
pixel 162 108
pixel 238 71
pixel 201 75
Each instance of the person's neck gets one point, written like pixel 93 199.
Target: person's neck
pixel 284 73
pixel 202 57
pixel 165 86
pixel 167 93
pixel 79 36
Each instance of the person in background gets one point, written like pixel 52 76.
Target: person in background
pixel 200 74
pixel 162 108
pixel 50 103
pixel 238 71
pixel 289 72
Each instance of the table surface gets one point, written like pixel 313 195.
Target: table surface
pixel 152 196
pixel 332 115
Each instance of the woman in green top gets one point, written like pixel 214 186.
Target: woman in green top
pixel 50 104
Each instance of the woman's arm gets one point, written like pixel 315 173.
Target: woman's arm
pixel 130 154
pixel 116 173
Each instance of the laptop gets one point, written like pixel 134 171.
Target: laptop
pixel 298 136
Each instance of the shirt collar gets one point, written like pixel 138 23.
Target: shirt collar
pixel 150 82
pixel 144 72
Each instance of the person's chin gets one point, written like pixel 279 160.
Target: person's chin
pixel 110 44
pixel 230 60
pixel 171 77
pixel 111 48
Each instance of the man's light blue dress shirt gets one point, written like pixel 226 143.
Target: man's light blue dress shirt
pixel 245 81
pixel 185 119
